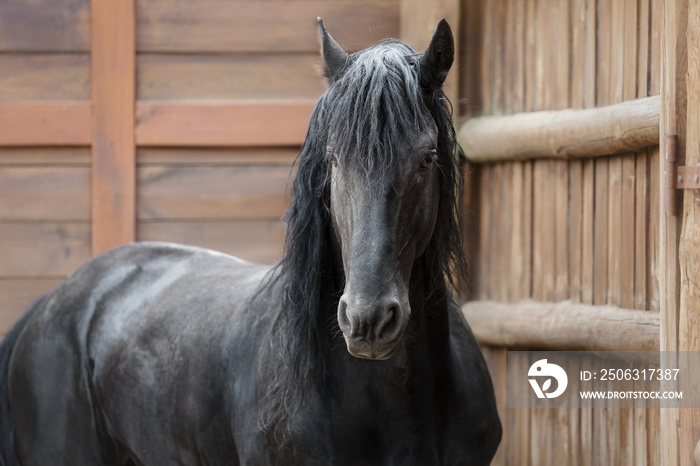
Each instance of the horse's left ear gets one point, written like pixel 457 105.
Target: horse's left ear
pixel 438 58
pixel 333 54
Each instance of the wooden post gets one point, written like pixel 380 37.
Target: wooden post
pixel 689 241
pixel 671 123
pixel 113 150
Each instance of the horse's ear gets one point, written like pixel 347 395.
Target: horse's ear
pixel 437 59
pixel 333 54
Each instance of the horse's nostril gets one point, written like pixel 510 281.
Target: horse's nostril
pixel 343 320
pixel 388 326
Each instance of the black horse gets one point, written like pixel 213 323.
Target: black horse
pixel 349 352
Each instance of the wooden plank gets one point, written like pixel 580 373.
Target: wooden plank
pixel 628 174
pixel 18 294
pixel 542 448
pixel 222 124
pixel 236 77
pixel 43 193
pixel 520 200
pixel 498 19
pixel 49 123
pixel 53 156
pixel 487 58
pixel 673 96
pixel 562 134
pixel 604 429
pixel 587 254
pixel 656 18
pixel 564 421
pixel 563 326
pixel 485 230
pixel 615 236
pixel 498 368
pixel 224 26
pixel 43 249
pixel 576 99
pixel 641 203
pixel 689 242
pixel 471 34
pixel 256 241
pixel 561 169
pixel 654 233
pixel 215 156
pixel 493 241
pixel 45 26
pixel 44 77
pixel 243 192
pixel 653 436
pixel 113 189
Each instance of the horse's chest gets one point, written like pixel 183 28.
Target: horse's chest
pixel 374 435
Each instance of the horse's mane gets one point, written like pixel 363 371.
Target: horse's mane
pixel 365 112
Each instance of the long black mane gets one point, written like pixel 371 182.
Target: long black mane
pixel 366 112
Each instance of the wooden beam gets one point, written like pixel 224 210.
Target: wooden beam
pixel 563 134
pixel 673 111
pixel 45 124
pixel 563 326
pixel 689 241
pixel 222 123
pixel 113 95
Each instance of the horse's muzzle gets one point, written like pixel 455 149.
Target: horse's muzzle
pixel 372 330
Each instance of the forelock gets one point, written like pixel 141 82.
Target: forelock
pixel 374 106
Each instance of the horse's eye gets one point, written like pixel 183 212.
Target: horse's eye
pixel 427 162
pixel 334 159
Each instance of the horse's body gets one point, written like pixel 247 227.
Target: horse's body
pixel 160 354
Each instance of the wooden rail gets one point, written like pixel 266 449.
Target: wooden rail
pixel 64 123
pixel 222 123
pixel 563 134
pixel 563 326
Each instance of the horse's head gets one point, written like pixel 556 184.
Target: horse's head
pixel 386 154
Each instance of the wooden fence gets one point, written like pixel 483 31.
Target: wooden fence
pixel 154 120
pixel 576 203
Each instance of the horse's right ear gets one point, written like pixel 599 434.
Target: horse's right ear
pixel 333 54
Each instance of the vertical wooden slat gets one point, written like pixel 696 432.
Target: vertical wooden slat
pixel 671 122
pixel 600 240
pixel 485 237
pixel 561 168
pixel 689 243
pixel 629 92
pixel 656 19
pixel 626 224
pixel 602 428
pixel 576 99
pixel 655 438
pixel 542 420
pixel 113 152
pixel 641 416
pixel 565 420
pixel 617 53
pixel 641 214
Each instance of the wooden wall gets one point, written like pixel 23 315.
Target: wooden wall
pixel 161 120
pixel 44 191
pixel 585 230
